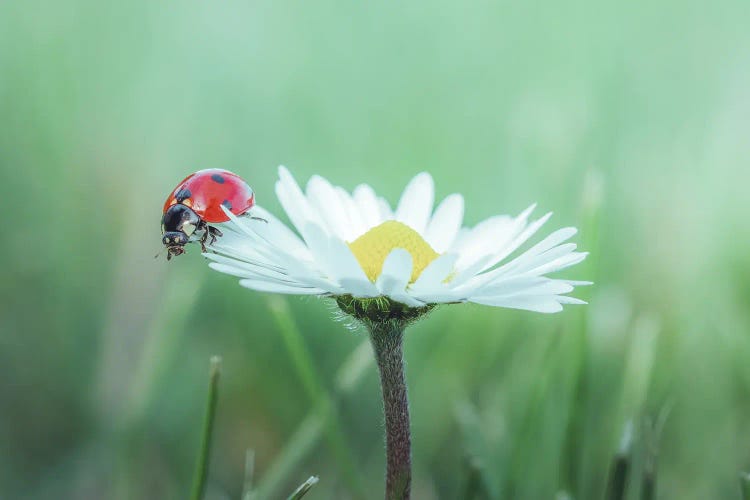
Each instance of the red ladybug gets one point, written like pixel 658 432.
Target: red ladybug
pixel 196 202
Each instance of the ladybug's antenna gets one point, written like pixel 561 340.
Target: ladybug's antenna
pixel 160 253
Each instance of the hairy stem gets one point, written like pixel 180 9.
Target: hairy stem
pixel 387 341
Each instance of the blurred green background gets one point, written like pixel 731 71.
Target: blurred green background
pixel 631 120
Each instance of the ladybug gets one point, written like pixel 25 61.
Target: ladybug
pixel 196 202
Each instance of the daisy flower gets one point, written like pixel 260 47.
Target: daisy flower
pixel 388 267
pixel 355 245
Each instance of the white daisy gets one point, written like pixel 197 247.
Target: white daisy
pixel 354 244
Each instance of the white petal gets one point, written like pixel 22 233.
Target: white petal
pixel 522 265
pixel 578 283
pixel 243 253
pixel 232 270
pixel 490 236
pixel 538 304
pixel 524 286
pixel 243 269
pixel 275 232
pixel 542 251
pixel 519 240
pixel 394 277
pixel 564 299
pixel 385 209
pixel 408 299
pixel 292 198
pixel 396 272
pixel 318 242
pixel 323 199
pixel 554 239
pixel 548 256
pixel 486 238
pixel 445 223
pixel 415 205
pixel 358 287
pixel 251 268
pixel 354 223
pixel 369 207
pixel 249 274
pixel 509 285
pixel 295 203
pixel 335 207
pixel 435 272
pixel 470 273
pixel 438 296
pixel 300 270
pixel 245 244
pixel 339 260
pixel 560 263
pixel 263 286
pixel 255 246
pixel 322 283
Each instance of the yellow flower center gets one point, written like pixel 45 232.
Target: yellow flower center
pixel 373 247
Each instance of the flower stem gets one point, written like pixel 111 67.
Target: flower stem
pixel 387 342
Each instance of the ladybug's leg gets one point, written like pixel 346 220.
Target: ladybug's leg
pixel 205 228
pixel 214 233
pixel 248 216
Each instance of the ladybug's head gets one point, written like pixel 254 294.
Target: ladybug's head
pixel 175 242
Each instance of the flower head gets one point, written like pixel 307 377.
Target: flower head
pixel 353 245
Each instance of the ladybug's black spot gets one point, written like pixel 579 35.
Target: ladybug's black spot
pixel 227 204
pixel 217 178
pixel 182 195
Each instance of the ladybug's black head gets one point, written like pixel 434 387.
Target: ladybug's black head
pixel 172 238
pixel 177 225
pixel 175 242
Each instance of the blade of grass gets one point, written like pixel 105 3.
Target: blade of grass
pixel 473 485
pixel 745 485
pixel 247 485
pixel 303 488
pixel 316 392
pixel 576 472
pixel 618 478
pixel 201 466
pixel 620 467
pixel 648 483
pixel 654 428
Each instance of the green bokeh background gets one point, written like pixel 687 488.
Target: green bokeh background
pixel 629 120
